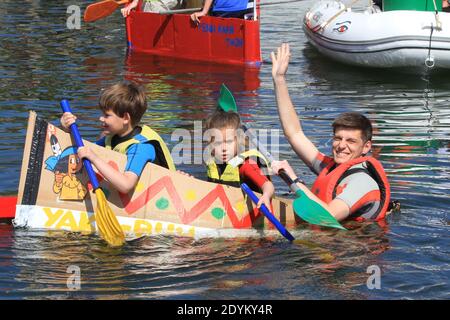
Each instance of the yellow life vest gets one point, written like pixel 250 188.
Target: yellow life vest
pixel 230 176
pixel 163 157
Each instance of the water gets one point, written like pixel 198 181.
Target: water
pixel 41 61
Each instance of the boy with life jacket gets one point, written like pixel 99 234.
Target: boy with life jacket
pixel 230 164
pixel 350 184
pixel 123 106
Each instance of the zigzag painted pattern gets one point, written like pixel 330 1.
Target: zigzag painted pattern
pixel 188 216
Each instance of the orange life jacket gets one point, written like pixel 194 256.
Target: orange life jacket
pixel 327 182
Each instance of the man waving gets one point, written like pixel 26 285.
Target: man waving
pixel 350 184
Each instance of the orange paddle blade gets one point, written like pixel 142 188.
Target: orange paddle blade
pixel 101 9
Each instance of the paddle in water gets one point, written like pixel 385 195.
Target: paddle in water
pixel 267 213
pixel 101 9
pixel 106 220
pixel 306 208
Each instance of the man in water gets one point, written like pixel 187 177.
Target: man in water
pixel 350 184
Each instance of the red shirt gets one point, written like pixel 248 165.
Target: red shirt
pixel 252 174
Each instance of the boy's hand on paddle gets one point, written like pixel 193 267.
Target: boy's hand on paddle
pixel 280 61
pixel 67 119
pixel 279 165
pixel 86 152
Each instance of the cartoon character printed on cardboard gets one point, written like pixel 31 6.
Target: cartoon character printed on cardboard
pixel 65 164
pixel 56 148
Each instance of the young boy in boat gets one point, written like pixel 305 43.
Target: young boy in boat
pixel 123 106
pixel 350 184
pixel 230 164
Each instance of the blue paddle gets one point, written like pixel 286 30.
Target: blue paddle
pixel 267 213
pixel 107 222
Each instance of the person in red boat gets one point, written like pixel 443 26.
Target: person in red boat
pixel 151 6
pixel 224 9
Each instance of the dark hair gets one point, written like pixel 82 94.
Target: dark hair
pixel 221 119
pixel 122 98
pixel 356 121
pixel 63 165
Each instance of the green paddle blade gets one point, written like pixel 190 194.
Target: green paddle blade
pixel 312 212
pixel 226 100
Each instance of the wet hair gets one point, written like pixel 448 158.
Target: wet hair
pixel 355 121
pixel 221 120
pixel 125 97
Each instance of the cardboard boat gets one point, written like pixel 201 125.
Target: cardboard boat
pixel 164 202
pixel 221 40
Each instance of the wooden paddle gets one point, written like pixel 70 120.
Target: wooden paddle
pixel 306 208
pixel 107 222
pixel 101 9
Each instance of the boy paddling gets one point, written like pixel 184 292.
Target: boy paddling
pixel 123 106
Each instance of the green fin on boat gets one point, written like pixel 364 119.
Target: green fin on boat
pixel 226 100
pixel 313 212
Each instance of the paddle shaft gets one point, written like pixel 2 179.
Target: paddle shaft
pixel 65 106
pixel 189 10
pixel 267 213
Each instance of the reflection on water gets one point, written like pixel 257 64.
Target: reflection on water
pixel 41 62
pixel 34 265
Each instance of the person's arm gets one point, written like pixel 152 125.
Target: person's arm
pixel 127 9
pixel 251 171
pixel 268 190
pixel 123 182
pixel 197 15
pixel 290 121
pixel 337 207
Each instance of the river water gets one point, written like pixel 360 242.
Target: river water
pixel 41 61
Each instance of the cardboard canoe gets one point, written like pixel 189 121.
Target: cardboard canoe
pixel 54 193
